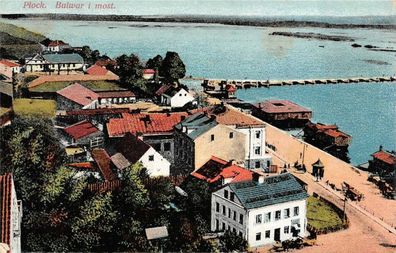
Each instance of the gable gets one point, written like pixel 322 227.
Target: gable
pixel 227 188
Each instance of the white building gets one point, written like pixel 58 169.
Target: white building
pixel 263 211
pixel 11 214
pixel 9 68
pixel 54 45
pixel 130 149
pixel 54 62
pixel 174 97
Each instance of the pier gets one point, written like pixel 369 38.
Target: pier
pixel 215 84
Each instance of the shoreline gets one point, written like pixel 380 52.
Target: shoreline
pixel 200 19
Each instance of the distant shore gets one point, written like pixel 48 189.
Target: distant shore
pixel 224 20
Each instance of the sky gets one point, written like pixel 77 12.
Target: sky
pixel 208 7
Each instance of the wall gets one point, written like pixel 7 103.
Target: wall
pixel 16 219
pixel 222 146
pixel 181 98
pixel 160 141
pixel 63 103
pixel 159 167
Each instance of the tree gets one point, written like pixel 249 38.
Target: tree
pixel 232 242
pixel 155 63
pixel 172 68
pixel 129 69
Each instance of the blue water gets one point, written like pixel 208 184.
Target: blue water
pixel 367 112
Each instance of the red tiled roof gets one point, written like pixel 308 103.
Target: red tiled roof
pixel 150 123
pixel 103 161
pixel 81 129
pixel 230 88
pixel 321 127
pixel 78 93
pixel 280 106
pixel 336 133
pixel 55 43
pixel 217 169
pixel 97 70
pixel 163 89
pixel 131 147
pixel 99 111
pixel 148 71
pixel 9 63
pixel 6 184
pixel 385 157
pixel 82 165
pixel 116 94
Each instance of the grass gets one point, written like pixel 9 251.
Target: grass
pixel 35 107
pixel 320 215
pixel 3 110
pixel 93 85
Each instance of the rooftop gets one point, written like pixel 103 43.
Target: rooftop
pixel 281 106
pixel 98 111
pixel 195 125
pixel 144 123
pixel 129 146
pixel 63 58
pixel 79 94
pixel 228 116
pixel 102 159
pixel 163 89
pixel 156 232
pixel 386 157
pixel 274 190
pixel 81 129
pixel 6 187
pixel 217 169
pixel 97 70
pixel 8 63
pixel 116 94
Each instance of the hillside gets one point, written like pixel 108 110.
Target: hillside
pixel 20 32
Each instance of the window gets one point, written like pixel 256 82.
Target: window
pixel 258 134
pixel 167 146
pixel 258 236
pixel 157 146
pixel 229 228
pixel 217 224
pixel 287 213
pixel 232 196
pixel 231 135
pixel 223 226
pixel 267 217
pixel 241 219
pixel 180 94
pixel 240 233
pixel 286 230
pixel 217 207
pixel 258 219
pixel 226 194
pixel 296 211
pixel 235 216
pixel 277 215
pixel 257 165
pixel 234 230
pixel 229 213
pixel 212 137
pixel 151 157
pixel 224 210
pixel 257 150
pixel 267 234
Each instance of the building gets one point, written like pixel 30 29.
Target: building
pixel 263 211
pixel 83 133
pixel 100 115
pixel 54 62
pixel 76 96
pixel 116 97
pixel 129 149
pixel 199 137
pixel 55 46
pixel 282 113
pixel 148 74
pixel 254 130
pixel 217 172
pixel 326 135
pixel 10 214
pixel 8 68
pixel 174 97
pixel 155 129
pixel 6 103
pixel 97 70
pixel 383 163
pixel 104 164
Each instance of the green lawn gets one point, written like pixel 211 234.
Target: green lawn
pixel 34 107
pixel 93 85
pixel 320 215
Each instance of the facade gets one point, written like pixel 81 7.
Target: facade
pixel 130 149
pixel 174 97
pixel 55 46
pixel 199 137
pixel 263 211
pixel 76 96
pixel 116 97
pixel 156 129
pixel 10 214
pixel 54 62
pixel 83 133
pixel 148 74
pixel 282 113
pixel 9 68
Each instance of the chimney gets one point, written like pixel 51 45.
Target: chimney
pixel 380 148
pixel 183 117
pixel 258 178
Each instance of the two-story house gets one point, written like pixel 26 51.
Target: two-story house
pixel 53 62
pixel 199 137
pixel 263 211
pixel 174 97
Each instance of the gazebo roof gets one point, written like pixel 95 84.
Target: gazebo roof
pixel 318 164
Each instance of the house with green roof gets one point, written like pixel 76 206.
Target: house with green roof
pixel 53 62
pixel 264 210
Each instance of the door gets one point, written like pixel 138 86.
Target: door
pixel 277 234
